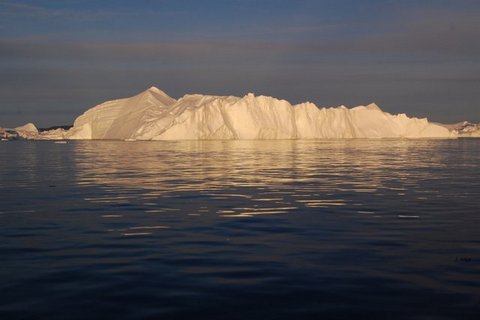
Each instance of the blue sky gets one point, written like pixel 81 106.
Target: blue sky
pixel 57 58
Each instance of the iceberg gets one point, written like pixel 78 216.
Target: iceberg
pixel 27 128
pixel 27 131
pixel 154 115
pixel 464 129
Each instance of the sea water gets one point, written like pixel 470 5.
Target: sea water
pixel 292 229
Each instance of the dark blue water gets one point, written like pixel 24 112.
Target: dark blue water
pixel 346 229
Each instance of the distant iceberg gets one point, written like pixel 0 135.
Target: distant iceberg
pixel 153 115
pixel 27 131
pixel 464 129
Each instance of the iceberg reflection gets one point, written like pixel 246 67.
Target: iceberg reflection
pixel 251 178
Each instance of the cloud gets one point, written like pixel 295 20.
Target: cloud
pixel 427 33
pixel 26 10
pixel 150 51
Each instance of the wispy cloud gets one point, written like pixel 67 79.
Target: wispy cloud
pixel 428 31
pixel 141 51
pixel 27 10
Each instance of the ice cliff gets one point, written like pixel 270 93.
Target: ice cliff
pixel 153 115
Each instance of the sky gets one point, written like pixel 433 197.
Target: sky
pixel 59 58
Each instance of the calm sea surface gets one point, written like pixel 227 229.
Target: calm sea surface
pixel 375 229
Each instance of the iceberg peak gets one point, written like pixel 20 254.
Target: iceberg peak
pixel 155 89
pixel 28 127
pixel 373 106
pixel 159 95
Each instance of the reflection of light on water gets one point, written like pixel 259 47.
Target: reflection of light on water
pixel 155 211
pixel 241 212
pixel 322 203
pixel 180 178
pixel 130 234
pixel 225 211
pixel 113 199
pixel 253 213
pixel 266 209
pixel 228 195
pixel 403 216
pixel 162 210
pixel 132 231
pixel 149 227
pixel 366 212
pixel 23 211
pixel 364 190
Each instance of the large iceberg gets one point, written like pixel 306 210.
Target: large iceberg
pixel 153 115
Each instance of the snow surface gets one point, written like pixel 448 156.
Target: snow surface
pixel 153 115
